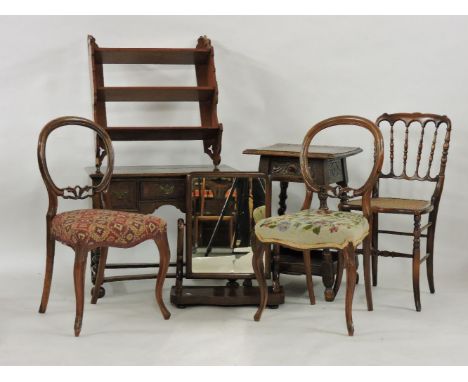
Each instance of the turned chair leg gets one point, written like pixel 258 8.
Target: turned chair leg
pixel 416 261
pixel 430 258
pixel 48 274
pixel 339 273
pixel 366 249
pixel 258 248
pixel 100 274
pixel 350 263
pixel 79 271
pixel 375 246
pixel 164 260
pixel 308 274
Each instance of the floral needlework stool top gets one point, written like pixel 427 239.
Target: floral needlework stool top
pixel 105 228
pixel 309 229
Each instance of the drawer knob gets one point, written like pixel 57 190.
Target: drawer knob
pixel 120 194
pixel 166 189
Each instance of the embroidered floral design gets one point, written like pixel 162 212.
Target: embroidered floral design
pixel 314 227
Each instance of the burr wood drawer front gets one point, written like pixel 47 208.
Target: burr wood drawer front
pixel 163 188
pixel 123 195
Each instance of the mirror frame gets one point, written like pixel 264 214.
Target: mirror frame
pixel 189 274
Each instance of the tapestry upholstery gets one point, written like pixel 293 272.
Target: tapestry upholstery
pixel 310 229
pixel 105 228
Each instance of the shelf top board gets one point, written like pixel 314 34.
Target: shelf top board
pixel 293 150
pixel 168 56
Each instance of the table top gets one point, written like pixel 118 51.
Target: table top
pixel 168 170
pixel 293 150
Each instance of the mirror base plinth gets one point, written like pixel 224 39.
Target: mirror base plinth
pixel 223 296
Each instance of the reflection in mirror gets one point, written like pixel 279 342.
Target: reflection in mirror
pixel 224 210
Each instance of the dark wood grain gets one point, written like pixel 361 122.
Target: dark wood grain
pixel 165 56
pixel 161 133
pixel 294 150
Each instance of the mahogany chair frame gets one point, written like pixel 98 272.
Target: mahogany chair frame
pixel 413 120
pixel 81 251
pixel 324 192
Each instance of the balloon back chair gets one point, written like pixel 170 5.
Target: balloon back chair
pixel 415 207
pixel 323 228
pixel 84 230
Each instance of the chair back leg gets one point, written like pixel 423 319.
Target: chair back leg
pixel 48 273
pixel 375 246
pixel 367 254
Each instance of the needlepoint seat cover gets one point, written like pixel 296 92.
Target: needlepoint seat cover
pixel 105 228
pixel 310 229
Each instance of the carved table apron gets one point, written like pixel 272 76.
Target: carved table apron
pixel 328 164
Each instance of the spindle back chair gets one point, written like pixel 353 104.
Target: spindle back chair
pixel 440 139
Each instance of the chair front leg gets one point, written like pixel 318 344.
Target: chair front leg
pixel 79 271
pixel 430 253
pixel 164 260
pixel 258 248
pixel 48 273
pixel 416 261
pixel 339 273
pixel 350 263
pixel 100 274
pixel 367 253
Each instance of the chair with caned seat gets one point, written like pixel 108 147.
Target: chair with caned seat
pixel 415 207
pixel 322 228
pixel 84 230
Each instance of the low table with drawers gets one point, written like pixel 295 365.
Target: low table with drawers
pixel 144 189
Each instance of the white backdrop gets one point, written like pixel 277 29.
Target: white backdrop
pixel 277 76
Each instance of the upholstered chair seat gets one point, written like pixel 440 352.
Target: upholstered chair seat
pixel 105 228
pixel 309 229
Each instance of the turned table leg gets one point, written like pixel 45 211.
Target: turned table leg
pixel 94 264
pixel 282 197
pixel 328 275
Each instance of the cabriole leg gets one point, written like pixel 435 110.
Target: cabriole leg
pixel 79 271
pixel 164 259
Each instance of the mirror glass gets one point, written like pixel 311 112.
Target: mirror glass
pixel 223 214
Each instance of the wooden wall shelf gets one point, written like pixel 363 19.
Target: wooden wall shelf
pixel 205 93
